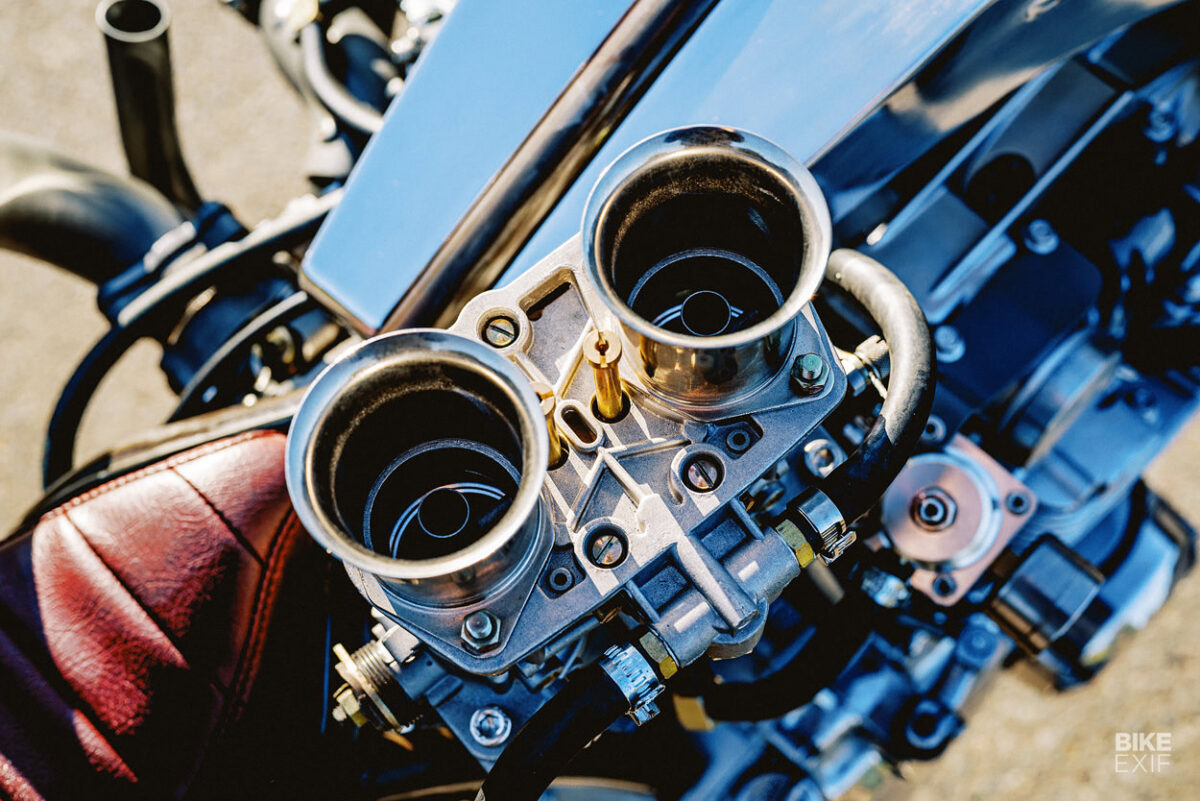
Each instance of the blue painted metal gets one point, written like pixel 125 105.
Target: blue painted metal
pixel 798 73
pixel 828 82
pixel 475 94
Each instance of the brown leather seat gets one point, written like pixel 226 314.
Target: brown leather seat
pixel 134 621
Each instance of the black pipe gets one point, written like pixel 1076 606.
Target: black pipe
pixel 859 482
pixel 839 635
pixel 546 164
pixel 587 705
pixel 73 216
pixel 330 92
pixel 139 58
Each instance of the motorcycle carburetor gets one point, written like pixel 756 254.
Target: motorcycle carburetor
pixel 581 441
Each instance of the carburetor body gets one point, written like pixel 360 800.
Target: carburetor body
pixel 581 442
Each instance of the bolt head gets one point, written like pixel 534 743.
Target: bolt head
pixel 490 726
pixel 1040 237
pixel 933 509
pixel 949 343
pixel 809 373
pixel 500 331
pixel 606 548
pixel 481 630
pixel 702 473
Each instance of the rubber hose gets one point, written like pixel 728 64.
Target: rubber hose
pixel 583 710
pixel 859 482
pixel 836 639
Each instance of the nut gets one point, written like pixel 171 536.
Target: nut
pixel 481 630
pixel 348 708
pixel 656 652
pixel 796 540
pixel 809 373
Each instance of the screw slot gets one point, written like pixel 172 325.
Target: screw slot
pixel 500 331
pixel 606 547
pixel 703 473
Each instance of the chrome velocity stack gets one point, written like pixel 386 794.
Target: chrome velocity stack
pixel 418 459
pixel 706 243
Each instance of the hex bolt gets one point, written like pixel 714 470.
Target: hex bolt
pixel 822 456
pixel 933 509
pixel 809 373
pixel 490 726
pixel 1017 502
pixel 606 548
pixel 481 630
pixel 702 473
pixel 500 331
pixel 1040 238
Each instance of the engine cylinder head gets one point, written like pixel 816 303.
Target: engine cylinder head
pixel 706 243
pixel 418 458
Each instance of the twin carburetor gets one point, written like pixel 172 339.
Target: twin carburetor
pixel 586 445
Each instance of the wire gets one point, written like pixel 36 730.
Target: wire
pixel 138 318
pixel 191 399
pixel 330 92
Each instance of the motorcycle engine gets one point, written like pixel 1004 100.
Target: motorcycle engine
pixel 658 452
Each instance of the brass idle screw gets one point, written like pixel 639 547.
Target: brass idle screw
pixel 603 353
pixel 545 394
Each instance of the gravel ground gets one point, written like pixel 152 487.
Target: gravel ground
pixel 245 136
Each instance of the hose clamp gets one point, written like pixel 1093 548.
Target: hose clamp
pixel 822 524
pixel 635 678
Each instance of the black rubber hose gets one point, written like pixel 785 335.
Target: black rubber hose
pixel 842 631
pixel 331 94
pixel 583 710
pixel 859 482
pixel 74 216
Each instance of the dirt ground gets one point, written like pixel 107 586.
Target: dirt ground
pixel 245 136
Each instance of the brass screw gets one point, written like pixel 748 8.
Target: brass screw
pixel 500 331
pixel 603 353
pixel 545 394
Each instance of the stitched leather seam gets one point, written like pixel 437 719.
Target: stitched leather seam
pixel 158 467
pixel 276 561
pixel 233 530
pixel 285 536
